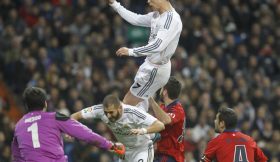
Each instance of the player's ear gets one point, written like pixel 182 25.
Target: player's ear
pixel 46 105
pixel 222 124
pixel 165 92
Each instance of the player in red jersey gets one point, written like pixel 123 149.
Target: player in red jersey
pixel 231 145
pixel 170 148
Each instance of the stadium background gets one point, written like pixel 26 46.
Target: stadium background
pixel 228 55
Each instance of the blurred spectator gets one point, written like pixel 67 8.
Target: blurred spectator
pixel 228 55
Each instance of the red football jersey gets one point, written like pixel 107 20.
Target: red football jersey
pixel 171 142
pixel 233 146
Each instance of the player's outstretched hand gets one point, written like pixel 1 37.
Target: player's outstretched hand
pixel 123 51
pixel 140 131
pixel 110 1
pixel 119 149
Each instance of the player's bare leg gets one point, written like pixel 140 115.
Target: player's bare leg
pixel 144 105
pixel 130 99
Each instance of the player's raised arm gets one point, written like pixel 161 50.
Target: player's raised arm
pixel 80 131
pixel 131 17
pixel 88 113
pixel 159 113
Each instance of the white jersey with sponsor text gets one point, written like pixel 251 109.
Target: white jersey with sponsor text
pixel 132 118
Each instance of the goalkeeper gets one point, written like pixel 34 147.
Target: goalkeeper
pixel 38 134
pixel 129 124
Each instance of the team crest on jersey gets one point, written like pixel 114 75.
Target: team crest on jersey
pixel 88 110
pixel 152 37
pixel 122 131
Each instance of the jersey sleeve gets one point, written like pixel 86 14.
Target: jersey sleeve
pixel 81 132
pixel 259 155
pixel 15 151
pixel 168 29
pixel 210 151
pixel 92 112
pixel 131 17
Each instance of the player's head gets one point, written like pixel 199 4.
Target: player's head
pixel 171 90
pixel 34 99
pixel 226 118
pixel 156 4
pixel 112 107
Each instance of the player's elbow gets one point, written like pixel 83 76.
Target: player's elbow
pixel 167 121
pixel 161 126
pixel 159 49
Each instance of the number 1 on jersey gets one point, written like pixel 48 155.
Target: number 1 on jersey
pixel 34 133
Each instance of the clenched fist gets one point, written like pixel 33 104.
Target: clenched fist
pixel 122 51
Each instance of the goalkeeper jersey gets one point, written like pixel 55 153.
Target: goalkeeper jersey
pixel 38 137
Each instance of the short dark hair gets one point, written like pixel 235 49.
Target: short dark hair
pixel 111 100
pixel 229 116
pixel 173 88
pixel 34 98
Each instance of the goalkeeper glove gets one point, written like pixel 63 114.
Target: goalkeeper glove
pixel 118 148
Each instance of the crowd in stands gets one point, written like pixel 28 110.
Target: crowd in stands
pixel 228 55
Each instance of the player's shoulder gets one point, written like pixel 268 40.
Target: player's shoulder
pixel 176 106
pixel 132 108
pixel 94 109
pixel 133 111
pixel 171 15
pixel 61 117
pixel 154 14
pixel 97 107
pixel 19 123
pixel 245 137
pixel 218 139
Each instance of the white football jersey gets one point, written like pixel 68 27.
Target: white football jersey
pixel 132 118
pixel 165 32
